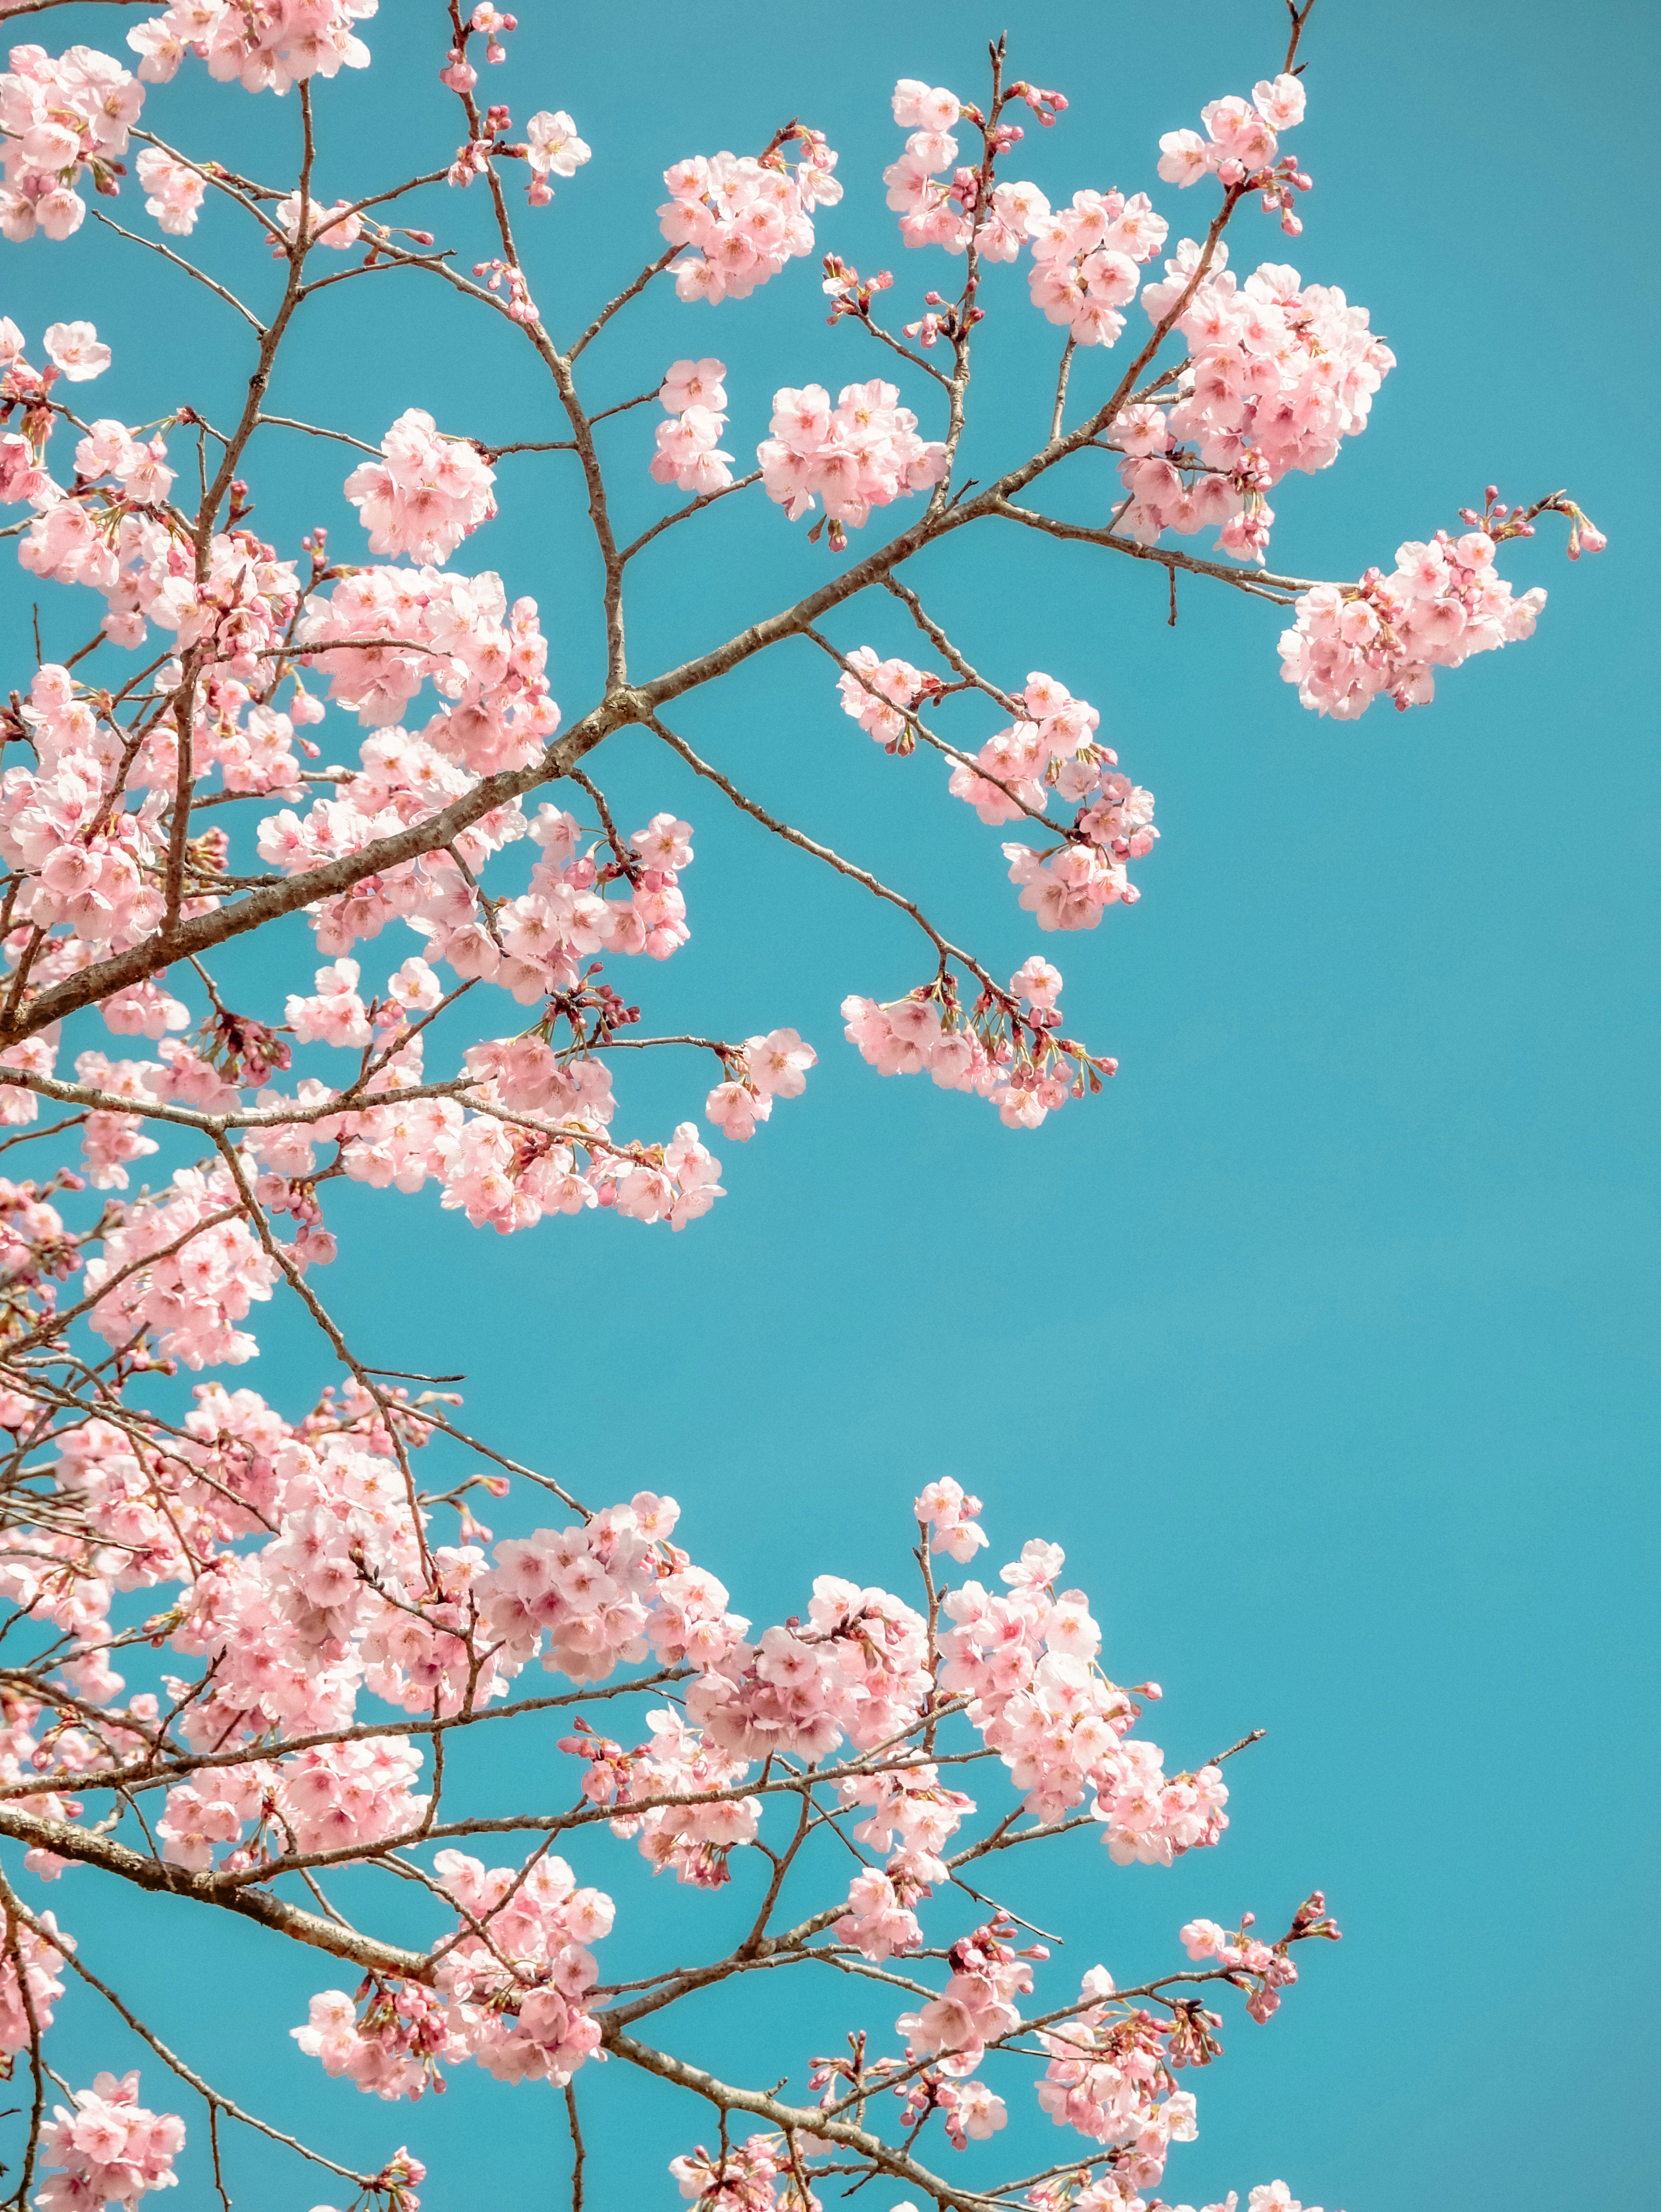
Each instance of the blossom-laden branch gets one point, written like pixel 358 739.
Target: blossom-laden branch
pixel 314 1626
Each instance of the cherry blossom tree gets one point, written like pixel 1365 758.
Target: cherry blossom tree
pixel 313 1616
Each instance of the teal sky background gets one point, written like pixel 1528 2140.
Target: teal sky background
pixel 1324 1340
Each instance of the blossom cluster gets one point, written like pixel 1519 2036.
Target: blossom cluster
pixel 863 453
pixel 1016 1060
pixel 507 1994
pixel 742 2177
pixel 881 694
pixel 854 1670
pixel 175 192
pixel 768 1067
pixel 42 1961
pixel 516 1997
pixel 931 213
pixel 267 45
pixel 1442 602
pixel 694 1840
pixel 109 2149
pixel 1084 260
pixel 1109 2079
pixel 63 116
pixel 1240 146
pixel 183 1276
pixel 429 494
pixel 324 1798
pixel 486 660
pixel 687 455
pixel 607 1593
pixel 1278 374
pixel 745 218
pixel 1027 1661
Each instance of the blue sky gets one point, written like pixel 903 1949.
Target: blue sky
pixel 1324 1340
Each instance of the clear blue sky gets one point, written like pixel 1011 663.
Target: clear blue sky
pixel 1324 1340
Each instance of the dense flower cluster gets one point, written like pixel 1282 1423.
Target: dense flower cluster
pixel 516 1998
pixel 1280 373
pixel 687 454
pixel 485 659
pixel 1084 260
pixel 189 1295
pixel 109 2149
pixel 853 1670
pixel 321 1799
pixel 63 116
pixel 1028 1663
pixel 863 453
pixel 609 1593
pixel 430 493
pixel 263 45
pixel 1442 602
pixel 745 218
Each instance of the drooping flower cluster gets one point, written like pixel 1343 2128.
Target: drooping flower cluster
pixel 109 2149
pixel 879 1921
pixel 1442 602
pixel 863 453
pixel 687 454
pixel 430 493
pixel 1280 372
pixel 61 116
pixel 393 2048
pixel 745 217
pixel 1018 1062
pixel 267 45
